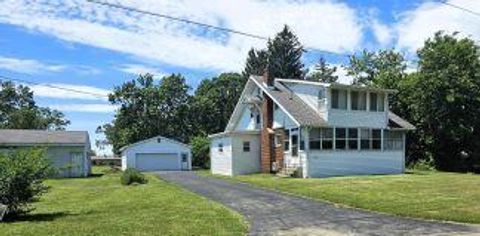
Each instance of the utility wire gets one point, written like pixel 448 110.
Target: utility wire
pixel 174 18
pixel 54 87
pixel 183 20
pixel 445 2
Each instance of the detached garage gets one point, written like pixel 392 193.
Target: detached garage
pixel 155 154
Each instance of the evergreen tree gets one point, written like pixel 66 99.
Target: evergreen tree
pixel 283 55
pixel 323 72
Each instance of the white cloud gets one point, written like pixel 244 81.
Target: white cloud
pixel 69 91
pixel 326 25
pixel 28 65
pixel 136 69
pixel 417 25
pixel 383 34
pixel 93 108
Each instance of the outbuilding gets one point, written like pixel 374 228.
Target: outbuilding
pixel 157 154
pixel 67 151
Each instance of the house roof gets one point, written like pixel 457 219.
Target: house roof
pixel 22 137
pixel 153 138
pixel 396 122
pixel 291 104
pixel 338 85
pixel 233 133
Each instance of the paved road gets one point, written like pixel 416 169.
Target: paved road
pixel 273 213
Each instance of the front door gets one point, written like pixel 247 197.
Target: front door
pixel 294 145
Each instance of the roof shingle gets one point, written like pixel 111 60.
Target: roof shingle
pixel 10 137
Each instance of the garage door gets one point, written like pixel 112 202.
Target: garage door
pixel 157 161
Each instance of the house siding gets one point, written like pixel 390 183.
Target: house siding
pixel 339 163
pixel 246 162
pixel 355 119
pixel 221 162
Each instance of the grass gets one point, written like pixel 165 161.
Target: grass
pixel 102 206
pixel 428 195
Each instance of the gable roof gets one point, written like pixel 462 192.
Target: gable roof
pixel 23 137
pixel 153 138
pixel 291 104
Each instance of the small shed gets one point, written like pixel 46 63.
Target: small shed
pixel 68 151
pixel 157 154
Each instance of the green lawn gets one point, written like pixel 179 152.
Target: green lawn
pixel 101 206
pixel 430 195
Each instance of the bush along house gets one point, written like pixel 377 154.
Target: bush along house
pixel 311 129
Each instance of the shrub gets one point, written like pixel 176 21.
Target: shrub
pixel 131 176
pixel 22 173
pixel 200 151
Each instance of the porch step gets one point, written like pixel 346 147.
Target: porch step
pixel 286 172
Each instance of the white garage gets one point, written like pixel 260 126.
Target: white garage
pixel 156 154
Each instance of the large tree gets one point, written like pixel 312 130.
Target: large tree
pixel 214 102
pixel 445 101
pixel 18 110
pixel 283 57
pixel 323 72
pixel 147 109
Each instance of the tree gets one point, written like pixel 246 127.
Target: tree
pixel 385 68
pixel 323 72
pixel 21 178
pixel 283 55
pixel 18 110
pixel 214 102
pixel 445 102
pixel 148 109
pixel 200 151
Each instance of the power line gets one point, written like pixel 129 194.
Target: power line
pixel 174 18
pixel 183 20
pixel 444 2
pixel 54 87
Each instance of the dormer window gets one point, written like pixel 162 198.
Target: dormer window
pixel 377 102
pixel 339 99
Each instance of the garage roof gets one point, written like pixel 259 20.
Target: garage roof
pixel 150 139
pixel 23 137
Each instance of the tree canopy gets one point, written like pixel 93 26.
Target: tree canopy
pixel 18 110
pixel 323 72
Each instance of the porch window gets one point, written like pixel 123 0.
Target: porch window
pixel 358 100
pixel 286 141
pixel 339 99
pixel 376 139
pixel 327 139
pixel 340 138
pixel 365 139
pixel 352 139
pixel 315 139
pixel 393 140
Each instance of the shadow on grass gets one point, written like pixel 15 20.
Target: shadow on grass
pixel 96 175
pixel 36 217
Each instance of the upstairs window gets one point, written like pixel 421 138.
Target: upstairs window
pixel 377 102
pixel 339 99
pixel 358 100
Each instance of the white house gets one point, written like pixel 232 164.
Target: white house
pixel 68 151
pixel 316 128
pixel 155 154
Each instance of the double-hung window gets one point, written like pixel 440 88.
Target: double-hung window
pixel 352 139
pixel 393 140
pixel 327 139
pixel 358 100
pixel 315 138
pixel 339 99
pixel 340 138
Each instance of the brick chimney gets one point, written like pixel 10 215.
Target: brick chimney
pixel 267 76
pixel 267 133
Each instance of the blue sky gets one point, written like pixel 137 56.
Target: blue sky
pixel 92 48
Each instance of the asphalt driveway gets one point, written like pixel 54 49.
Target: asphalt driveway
pixel 273 213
